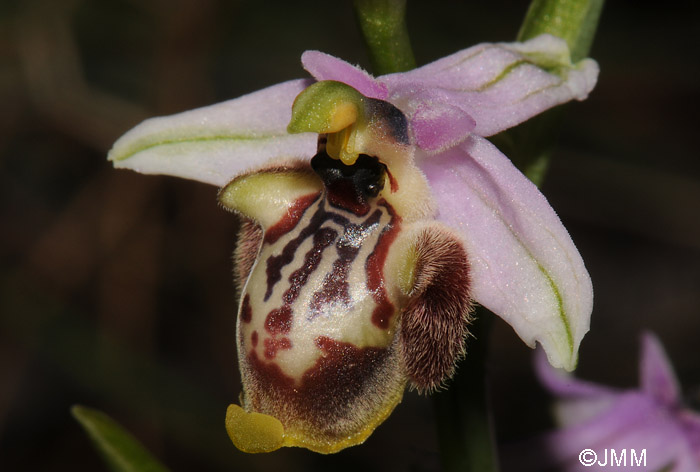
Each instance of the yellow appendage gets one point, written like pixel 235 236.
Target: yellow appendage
pixel 253 432
pixel 257 432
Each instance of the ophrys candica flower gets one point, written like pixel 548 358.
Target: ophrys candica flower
pixel 369 233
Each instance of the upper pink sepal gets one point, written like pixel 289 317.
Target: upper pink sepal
pixel 323 66
pixel 435 124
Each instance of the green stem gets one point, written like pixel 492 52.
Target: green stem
pixel 462 413
pixel 575 21
pixel 530 144
pixel 383 26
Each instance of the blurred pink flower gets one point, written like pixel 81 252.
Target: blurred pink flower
pixel 602 419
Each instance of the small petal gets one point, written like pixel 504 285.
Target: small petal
pixel 656 373
pixel 326 67
pixel 525 268
pixel 440 127
pixel 214 144
pixel 501 85
pixel 436 125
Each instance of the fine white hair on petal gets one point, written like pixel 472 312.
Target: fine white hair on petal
pixel 213 144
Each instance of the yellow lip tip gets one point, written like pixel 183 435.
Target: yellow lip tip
pixel 253 432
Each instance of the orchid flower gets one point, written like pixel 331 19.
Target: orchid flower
pixel 375 213
pixel 651 420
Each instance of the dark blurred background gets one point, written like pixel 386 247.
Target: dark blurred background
pixel 115 288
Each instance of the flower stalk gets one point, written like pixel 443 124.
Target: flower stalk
pixel 462 411
pixel 383 26
pixel 575 21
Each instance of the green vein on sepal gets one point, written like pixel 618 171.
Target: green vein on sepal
pixel 136 149
pixel 560 308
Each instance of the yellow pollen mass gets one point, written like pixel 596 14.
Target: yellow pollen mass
pixel 341 145
pixel 344 114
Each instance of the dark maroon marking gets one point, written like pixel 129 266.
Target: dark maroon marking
pixel 254 339
pixel 375 269
pixel 268 375
pixel 382 312
pixel 246 311
pixel 279 320
pixel 275 264
pixel 312 259
pixel 344 195
pixel 290 220
pixel 393 183
pixel 339 374
pixel 335 285
pixel 322 396
pixel 274 345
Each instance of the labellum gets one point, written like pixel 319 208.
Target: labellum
pixel 349 288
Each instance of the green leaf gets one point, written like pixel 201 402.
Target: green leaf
pixel 121 451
